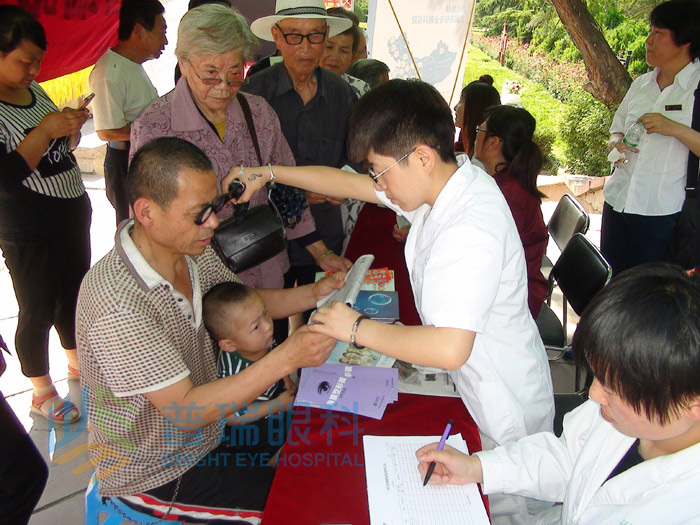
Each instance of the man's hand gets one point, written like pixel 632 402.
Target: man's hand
pixel 335 263
pixel 452 466
pixel 304 348
pixel 400 234
pixel 328 285
pixel 318 198
pixel 657 123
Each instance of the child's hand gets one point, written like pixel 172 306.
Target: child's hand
pixel 286 398
pixel 452 466
pixel 289 384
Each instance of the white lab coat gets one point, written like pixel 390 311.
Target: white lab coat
pixel 573 469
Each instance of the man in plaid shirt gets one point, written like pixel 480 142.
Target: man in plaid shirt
pixel 148 364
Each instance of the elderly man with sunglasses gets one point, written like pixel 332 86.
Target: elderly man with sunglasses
pixel 314 107
pixel 155 405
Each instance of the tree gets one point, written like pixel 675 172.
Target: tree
pixel 609 80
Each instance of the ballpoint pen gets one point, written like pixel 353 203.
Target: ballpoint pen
pixel 440 446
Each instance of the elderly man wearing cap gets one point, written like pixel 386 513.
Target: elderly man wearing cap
pixel 313 106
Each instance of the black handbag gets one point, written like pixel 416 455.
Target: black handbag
pixel 684 249
pixel 251 236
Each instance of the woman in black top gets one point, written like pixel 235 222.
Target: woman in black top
pixel 44 210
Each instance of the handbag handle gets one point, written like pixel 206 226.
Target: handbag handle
pixel 245 107
pixel 691 183
pixel 239 210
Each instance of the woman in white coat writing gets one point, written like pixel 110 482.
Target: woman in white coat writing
pixel 630 454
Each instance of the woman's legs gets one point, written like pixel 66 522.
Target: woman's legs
pixel 46 278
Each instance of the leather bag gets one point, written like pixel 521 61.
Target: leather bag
pixel 251 236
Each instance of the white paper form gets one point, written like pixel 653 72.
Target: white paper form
pixel 396 492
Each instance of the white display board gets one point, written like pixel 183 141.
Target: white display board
pixel 436 33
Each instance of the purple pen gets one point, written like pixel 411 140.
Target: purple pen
pixel 440 446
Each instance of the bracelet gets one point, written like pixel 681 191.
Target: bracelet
pixel 241 172
pixel 271 182
pixel 353 334
pixel 324 254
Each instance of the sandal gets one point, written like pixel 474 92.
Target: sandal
pixel 73 373
pixel 41 405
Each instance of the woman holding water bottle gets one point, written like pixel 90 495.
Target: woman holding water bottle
pixel 643 198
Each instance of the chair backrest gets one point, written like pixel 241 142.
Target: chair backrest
pixel 581 272
pixel 568 218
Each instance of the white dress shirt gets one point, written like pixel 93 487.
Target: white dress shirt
pixel 653 183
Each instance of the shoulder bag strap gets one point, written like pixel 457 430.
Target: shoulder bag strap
pixel 691 186
pixel 251 126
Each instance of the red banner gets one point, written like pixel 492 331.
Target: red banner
pixel 78 32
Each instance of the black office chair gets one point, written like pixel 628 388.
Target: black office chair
pixel 580 272
pixel 568 218
pixel 564 403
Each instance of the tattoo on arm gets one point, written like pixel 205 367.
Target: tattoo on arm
pixel 254 176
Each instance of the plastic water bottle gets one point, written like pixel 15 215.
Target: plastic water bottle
pixel 634 134
pixel 632 138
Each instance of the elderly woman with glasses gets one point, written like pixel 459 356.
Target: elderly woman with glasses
pixel 207 109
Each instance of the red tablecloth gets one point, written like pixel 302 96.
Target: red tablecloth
pixel 321 476
pixel 372 234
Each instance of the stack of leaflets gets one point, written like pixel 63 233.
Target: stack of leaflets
pixel 344 388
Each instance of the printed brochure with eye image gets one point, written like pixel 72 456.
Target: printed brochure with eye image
pixel 352 389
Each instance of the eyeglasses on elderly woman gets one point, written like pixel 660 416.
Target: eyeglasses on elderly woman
pixel 237 78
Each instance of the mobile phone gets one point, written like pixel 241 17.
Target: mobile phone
pixel 86 102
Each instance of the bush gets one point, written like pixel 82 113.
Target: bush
pixel 583 126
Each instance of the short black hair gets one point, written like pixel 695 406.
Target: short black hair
pixel 215 302
pixel 197 3
pixel 142 12
pixel 398 115
pixel 154 172
pixel 682 18
pixel 17 25
pixel 368 69
pixel 641 337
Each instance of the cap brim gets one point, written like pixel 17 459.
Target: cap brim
pixel 262 27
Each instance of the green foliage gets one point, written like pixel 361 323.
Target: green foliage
pixel 361 8
pixel 535 22
pixel 630 35
pixel 583 126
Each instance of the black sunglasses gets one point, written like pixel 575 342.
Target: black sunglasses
pixel 235 190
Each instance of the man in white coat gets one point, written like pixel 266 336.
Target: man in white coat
pixel 631 454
